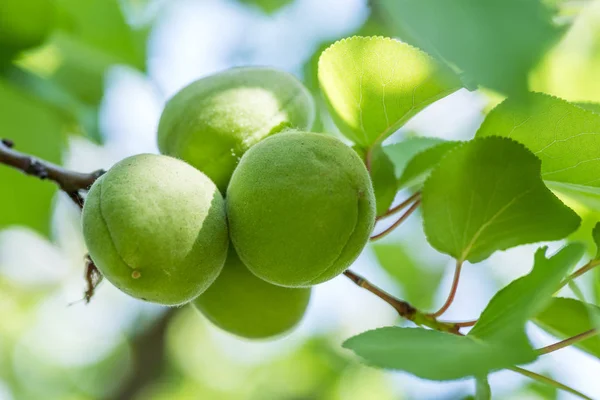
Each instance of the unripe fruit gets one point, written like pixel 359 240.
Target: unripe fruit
pixel 300 208
pixel 247 306
pixel 213 121
pixel 25 23
pixel 156 229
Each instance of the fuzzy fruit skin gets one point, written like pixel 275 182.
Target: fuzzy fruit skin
pixel 300 208
pixel 25 23
pixel 156 229
pixel 240 303
pixel 213 121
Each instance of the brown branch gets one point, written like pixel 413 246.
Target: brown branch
pixel 398 222
pixel 567 342
pixel 70 182
pixel 400 206
pixel 452 293
pixel 549 381
pixel 404 309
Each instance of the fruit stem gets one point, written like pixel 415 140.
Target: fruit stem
pixel 567 342
pixel 402 218
pixel 400 206
pixel 452 294
pixel 548 381
pixel 404 309
pixel 70 182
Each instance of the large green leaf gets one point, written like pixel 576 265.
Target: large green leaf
pixel 564 136
pixel 497 341
pixel 565 318
pixel 373 85
pixel 495 42
pixel 38 130
pixel 476 200
pixel 419 284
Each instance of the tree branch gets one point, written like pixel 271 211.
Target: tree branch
pixel 404 309
pixel 400 206
pixel 70 182
pixel 400 220
pixel 549 381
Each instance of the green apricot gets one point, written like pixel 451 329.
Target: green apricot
pixel 156 229
pixel 25 23
pixel 213 121
pixel 300 208
pixel 247 306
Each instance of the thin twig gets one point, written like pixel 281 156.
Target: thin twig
pixel 402 218
pixel 587 267
pixel 465 324
pixel 452 293
pixel 400 206
pixel 70 182
pixel 567 342
pixel 404 309
pixel 549 381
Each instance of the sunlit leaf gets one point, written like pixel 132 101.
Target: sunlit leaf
pixel 497 341
pixel 475 200
pixel 373 85
pixel 495 42
pixel 565 318
pixel 564 136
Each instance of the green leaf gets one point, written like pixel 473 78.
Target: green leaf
pixel 419 284
pixel 418 168
pixel 403 152
pixel 565 318
pixel 495 42
pixel 383 178
pixel 373 85
pixel 37 130
pixel 525 297
pixel 595 107
pixel 564 136
pixel 497 341
pixel 483 391
pixel 431 354
pixel 476 199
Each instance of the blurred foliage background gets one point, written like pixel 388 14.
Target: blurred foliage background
pixel 83 82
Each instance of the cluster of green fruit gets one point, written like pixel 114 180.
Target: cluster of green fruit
pixel 239 166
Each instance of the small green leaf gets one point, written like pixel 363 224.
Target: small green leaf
pixel 403 152
pixel 475 200
pixel 564 136
pixel 526 297
pixel 418 168
pixel 382 175
pixel 373 85
pixel 565 318
pixel 483 391
pixel 419 284
pixel 497 341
